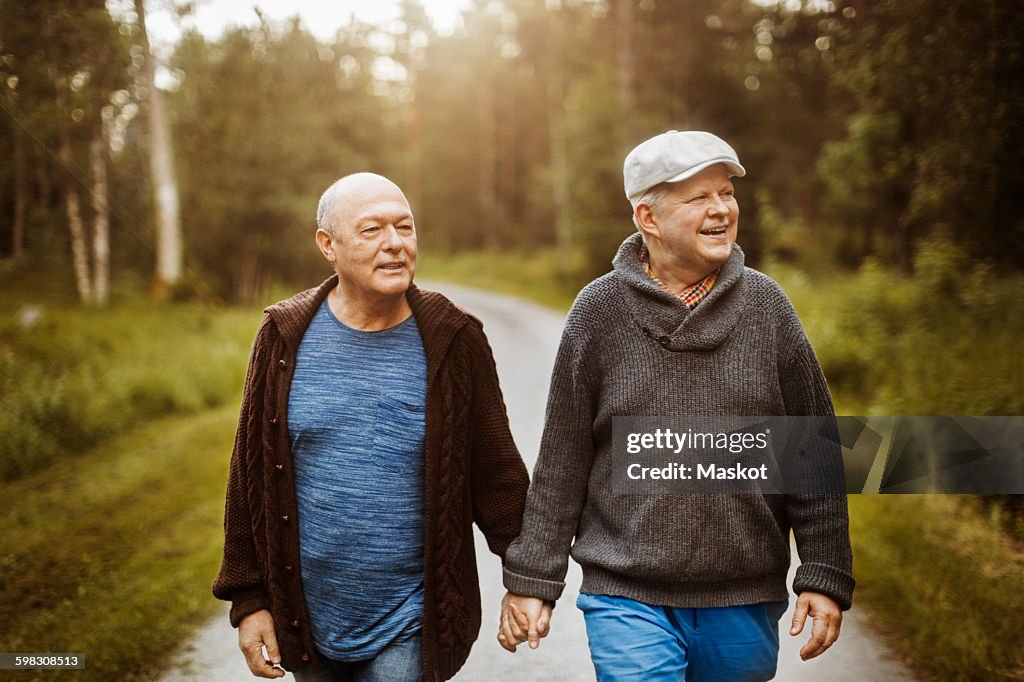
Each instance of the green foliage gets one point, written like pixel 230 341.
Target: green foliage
pixel 937 134
pixel 267 118
pixel 943 342
pixel 60 63
pixel 788 241
pixel 76 377
pixel 864 176
pixel 944 580
pixel 871 123
pixel 600 212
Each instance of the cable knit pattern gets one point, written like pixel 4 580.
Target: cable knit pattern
pixel 632 349
pixel 450 612
pixel 473 472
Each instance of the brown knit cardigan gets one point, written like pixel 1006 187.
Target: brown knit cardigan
pixel 473 472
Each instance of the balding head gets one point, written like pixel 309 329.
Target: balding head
pixel 344 200
pixel 365 230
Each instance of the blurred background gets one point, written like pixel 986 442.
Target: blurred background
pixel 160 165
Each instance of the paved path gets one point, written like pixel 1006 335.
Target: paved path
pixel 524 337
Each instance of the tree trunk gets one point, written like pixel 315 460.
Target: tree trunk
pixel 20 196
pixel 101 216
pixel 165 187
pixel 79 250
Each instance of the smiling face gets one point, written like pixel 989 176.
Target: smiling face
pixel 373 245
pixel 691 229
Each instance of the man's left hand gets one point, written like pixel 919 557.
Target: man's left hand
pixel 828 618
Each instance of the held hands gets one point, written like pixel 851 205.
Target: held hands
pixel 828 618
pixel 523 619
pixel 254 632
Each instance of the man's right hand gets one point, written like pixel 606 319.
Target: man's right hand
pixel 254 632
pixel 523 619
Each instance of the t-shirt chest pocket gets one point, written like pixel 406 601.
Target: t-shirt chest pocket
pixel 398 435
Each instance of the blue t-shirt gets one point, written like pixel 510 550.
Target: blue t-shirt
pixel 356 423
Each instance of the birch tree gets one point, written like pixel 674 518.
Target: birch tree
pixel 169 253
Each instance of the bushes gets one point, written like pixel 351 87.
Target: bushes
pixel 76 376
pixel 943 342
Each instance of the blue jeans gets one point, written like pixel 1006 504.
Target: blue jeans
pixel 635 642
pixel 398 662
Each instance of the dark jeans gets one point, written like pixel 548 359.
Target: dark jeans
pixel 398 662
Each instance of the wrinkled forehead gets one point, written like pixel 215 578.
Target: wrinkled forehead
pixel 387 212
pixel 369 200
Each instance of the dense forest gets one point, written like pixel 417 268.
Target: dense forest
pixel 865 126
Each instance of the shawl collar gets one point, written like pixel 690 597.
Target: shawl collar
pixel 665 318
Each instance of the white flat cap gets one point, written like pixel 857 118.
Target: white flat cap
pixel 675 156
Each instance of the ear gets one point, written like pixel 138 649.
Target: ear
pixel 325 243
pixel 646 221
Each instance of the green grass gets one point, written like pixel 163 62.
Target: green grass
pixel 942 583
pixel 74 377
pixel 112 553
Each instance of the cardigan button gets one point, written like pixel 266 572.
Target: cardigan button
pixel 295 623
pixel 305 657
pixel 279 467
pixel 275 421
pixel 289 568
pixel 284 517
pixel 664 340
pixel 282 362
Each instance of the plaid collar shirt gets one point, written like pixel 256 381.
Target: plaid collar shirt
pixel 691 295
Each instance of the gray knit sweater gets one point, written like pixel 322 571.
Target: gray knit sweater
pixel 629 348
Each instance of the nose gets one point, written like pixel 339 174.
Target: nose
pixel 392 240
pixel 716 206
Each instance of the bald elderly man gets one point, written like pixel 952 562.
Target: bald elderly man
pixel 372 435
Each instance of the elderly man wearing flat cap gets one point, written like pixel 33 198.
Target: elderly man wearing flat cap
pixel 677 587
